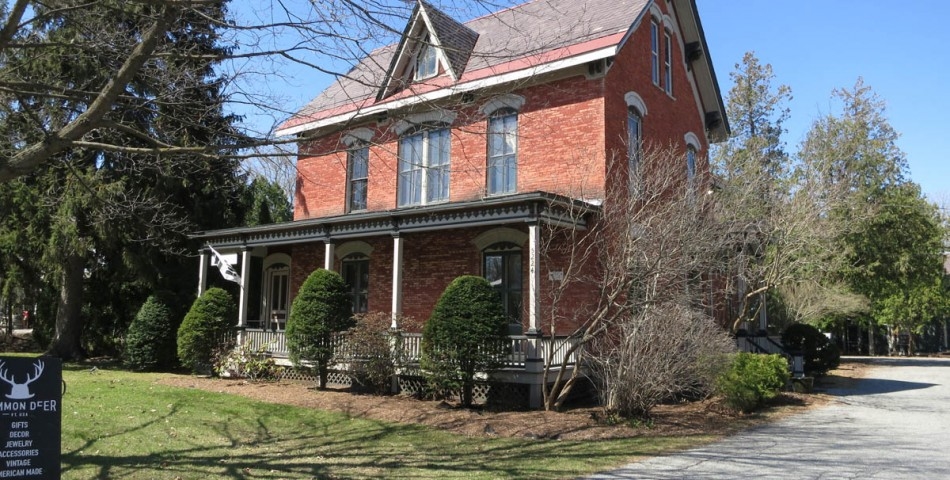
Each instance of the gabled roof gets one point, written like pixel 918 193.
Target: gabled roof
pixel 516 43
pixel 429 25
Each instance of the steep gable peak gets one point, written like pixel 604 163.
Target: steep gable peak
pixel 432 44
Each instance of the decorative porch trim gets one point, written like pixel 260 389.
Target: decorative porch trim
pixel 538 206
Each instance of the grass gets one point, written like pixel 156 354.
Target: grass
pixel 118 424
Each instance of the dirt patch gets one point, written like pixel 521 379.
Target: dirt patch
pixel 688 418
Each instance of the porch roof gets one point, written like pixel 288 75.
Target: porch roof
pixel 519 208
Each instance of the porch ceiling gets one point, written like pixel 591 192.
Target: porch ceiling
pixel 521 208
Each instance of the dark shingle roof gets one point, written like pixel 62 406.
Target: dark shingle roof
pixel 519 37
pixel 457 40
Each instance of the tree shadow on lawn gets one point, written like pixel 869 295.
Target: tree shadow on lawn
pixel 333 445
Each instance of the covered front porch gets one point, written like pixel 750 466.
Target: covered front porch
pixel 399 262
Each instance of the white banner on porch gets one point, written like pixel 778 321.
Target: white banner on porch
pixel 225 266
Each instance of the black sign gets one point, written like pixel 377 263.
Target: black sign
pixel 30 417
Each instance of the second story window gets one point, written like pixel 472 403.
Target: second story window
pixel 655 52
pixel 503 152
pixel 424 167
pixel 667 62
pixel 357 174
pixel 634 143
pixel 427 65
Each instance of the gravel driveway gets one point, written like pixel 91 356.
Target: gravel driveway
pixel 894 424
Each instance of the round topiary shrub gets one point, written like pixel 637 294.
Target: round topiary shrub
pixel 467 334
pixel 207 330
pixel 150 340
pixel 820 354
pixel 321 309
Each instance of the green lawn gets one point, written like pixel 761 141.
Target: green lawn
pixel 118 424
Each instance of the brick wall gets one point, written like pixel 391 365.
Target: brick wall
pixel 432 260
pixel 668 118
pixel 561 150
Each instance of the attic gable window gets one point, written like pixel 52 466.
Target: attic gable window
pixel 427 61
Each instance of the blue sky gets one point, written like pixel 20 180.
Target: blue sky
pixel 901 49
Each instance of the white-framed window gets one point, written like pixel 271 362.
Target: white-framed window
pixel 502 267
pixel 424 160
pixel 668 62
pixel 503 152
pixel 357 173
pixel 275 294
pixel 356 276
pixel 427 63
pixel 693 146
pixel 634 143
pixel 655 51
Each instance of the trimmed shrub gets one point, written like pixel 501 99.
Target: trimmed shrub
pixel 206 329
pixel 150 340
pixel 467 334
pixel 751 379
pixel 820 354
pixel 321 309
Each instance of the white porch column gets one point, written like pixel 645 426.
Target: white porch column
pixel 245 282
pixel 397 280
pixel 202 271
pixel 534 355
pixel 534 278
pixel 329 251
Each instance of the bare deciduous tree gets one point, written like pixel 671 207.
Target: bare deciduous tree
pixel 652 254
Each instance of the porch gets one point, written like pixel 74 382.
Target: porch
pixel 517 358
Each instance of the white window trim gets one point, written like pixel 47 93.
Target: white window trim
pixel 489 156
pixel 668 61
pixel 425 167
pixel 350 179
pixel 355 246
pixel 691 139
pixel 633 99
pixel 357 136
pixel 500 235
pixel 512 101
pixel 438 116
pixel 425 45
pixel 655 73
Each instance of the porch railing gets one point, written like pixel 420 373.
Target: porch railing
pixel 275 343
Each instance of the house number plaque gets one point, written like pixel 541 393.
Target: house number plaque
pixel 30 417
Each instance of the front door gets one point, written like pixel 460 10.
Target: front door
pixel 276 281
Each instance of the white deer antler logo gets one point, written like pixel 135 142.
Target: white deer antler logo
pixel 21 391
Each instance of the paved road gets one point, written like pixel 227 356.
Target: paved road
pixel 895 424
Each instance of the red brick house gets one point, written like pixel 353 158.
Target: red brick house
pixel 445 154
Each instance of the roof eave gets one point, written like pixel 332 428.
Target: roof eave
pixel 465 86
